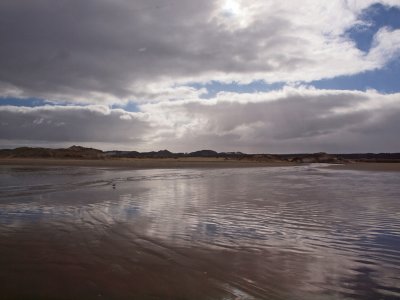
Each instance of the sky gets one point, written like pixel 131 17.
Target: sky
pixel 257 76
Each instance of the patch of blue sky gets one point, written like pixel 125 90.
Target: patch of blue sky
pixel 36 102
pixel 130 106
pixel 214 87
pixel 372 19
pixel 28 102
pixel 385 80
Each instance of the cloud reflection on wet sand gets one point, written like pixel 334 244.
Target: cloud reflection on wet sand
pixel 280 233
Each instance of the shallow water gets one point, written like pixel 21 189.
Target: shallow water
pixel 300 232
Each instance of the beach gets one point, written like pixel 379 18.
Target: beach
pixel 145 163
pixel 187 162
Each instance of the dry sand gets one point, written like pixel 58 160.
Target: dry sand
pixel 144 163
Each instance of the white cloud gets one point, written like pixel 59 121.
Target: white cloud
pixel 105 52
pixel 386 46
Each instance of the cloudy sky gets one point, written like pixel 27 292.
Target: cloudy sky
pixel 267 76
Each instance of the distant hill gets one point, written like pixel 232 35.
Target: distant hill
pixel 152 154
pixel 79 152
pixel 203 153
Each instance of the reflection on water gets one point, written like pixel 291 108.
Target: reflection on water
pixel 266 233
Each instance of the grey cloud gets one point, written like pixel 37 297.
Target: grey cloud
pixel 286 117
pixel 69 124
pixel 306 121
pixel 81 47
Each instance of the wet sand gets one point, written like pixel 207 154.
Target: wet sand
pixel 120 263
pixel 144 163
pixel 364 166
pixel 302 232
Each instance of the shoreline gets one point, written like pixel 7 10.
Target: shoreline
pixel 367 166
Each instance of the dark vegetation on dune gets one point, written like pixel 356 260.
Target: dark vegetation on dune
pixel 78 152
